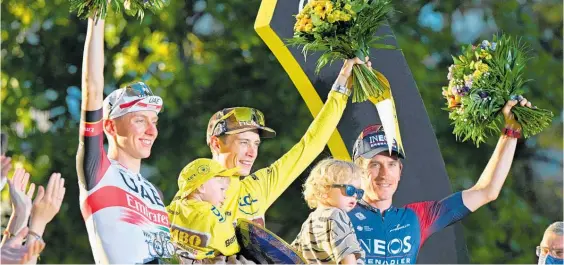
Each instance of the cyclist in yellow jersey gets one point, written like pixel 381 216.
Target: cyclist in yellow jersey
pixel 234 134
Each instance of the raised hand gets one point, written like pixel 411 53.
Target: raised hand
pixel 21 201
pixel 6 164
pixel 346 71
pixel 510 121
pixel 47 203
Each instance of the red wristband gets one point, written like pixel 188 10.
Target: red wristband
pixel 512 133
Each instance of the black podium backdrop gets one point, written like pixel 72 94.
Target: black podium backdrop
pixel 424 175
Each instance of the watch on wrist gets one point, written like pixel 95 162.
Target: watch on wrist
pixel 341 89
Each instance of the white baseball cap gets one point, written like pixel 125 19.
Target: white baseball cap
pixel 135 97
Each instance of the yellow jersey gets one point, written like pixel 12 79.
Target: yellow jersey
pixel 251 196
pixel 200 230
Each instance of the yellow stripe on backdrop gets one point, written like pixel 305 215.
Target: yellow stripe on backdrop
pixel 296 73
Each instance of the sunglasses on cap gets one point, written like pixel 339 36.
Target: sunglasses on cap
pixel 139 89
pixel 349 190
pixel 243 115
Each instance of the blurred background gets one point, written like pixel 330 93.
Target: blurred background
pixel 204 55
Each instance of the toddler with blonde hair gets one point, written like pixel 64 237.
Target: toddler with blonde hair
pixel 327 236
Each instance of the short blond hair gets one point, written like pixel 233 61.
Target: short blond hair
pixel 327 172
pixel 361 162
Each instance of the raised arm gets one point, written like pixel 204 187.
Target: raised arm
pixel 273 180
pixel 93 67
pixel 91 158
pixel 489 185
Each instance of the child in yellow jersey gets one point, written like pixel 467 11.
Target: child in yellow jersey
pixel 199 228
pixel 327 236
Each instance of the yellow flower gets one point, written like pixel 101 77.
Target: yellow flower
pixel 348 7
pixel 480 66
pixel 477 74
pixel 331 18
pixel 322 8
pixel 308 28
pixel 485 54
pixel 328 6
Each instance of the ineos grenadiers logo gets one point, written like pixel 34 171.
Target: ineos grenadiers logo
pixel 393 247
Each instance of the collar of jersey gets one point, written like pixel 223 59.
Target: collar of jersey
pixel 116 163
pixel 365 204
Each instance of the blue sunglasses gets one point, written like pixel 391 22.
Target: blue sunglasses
pixel 350 190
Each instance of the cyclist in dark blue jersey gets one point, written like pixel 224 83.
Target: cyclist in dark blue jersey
pixel 394 235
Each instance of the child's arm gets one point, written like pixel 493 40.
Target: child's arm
pixel 349 259
pixel 345 246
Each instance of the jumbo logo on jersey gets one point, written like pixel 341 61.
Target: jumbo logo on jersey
pixel 189 237
pixel 381 247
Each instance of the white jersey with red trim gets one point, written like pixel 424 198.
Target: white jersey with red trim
pixel 125 218
pixel 124 213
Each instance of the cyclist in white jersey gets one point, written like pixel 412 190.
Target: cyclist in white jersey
pixel 124 213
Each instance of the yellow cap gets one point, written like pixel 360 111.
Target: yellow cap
pixel 197 172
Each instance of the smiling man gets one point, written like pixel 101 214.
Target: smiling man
pixel 234 136
pixel 394 235
pixel 124 213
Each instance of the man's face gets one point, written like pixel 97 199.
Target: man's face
pixel 135 133
pixel 384 173
pixel 552 245
pixel 240 150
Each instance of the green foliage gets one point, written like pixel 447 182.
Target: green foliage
pixel 481 81
pixel 200 56
pixel 99 8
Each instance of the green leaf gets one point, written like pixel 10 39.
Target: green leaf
pixel 383 46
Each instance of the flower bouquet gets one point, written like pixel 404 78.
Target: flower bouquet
pixel 481 81
pixel 99 8
pixel 344 29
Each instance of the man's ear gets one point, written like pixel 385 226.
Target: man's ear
pixel 215 144
pixel 110 127
pixel 400 167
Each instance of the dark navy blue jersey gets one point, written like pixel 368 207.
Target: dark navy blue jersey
pixel 396 235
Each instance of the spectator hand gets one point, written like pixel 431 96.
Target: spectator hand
pixel 6 164
pixel 12 252
pixel 47 203
pixel 21 201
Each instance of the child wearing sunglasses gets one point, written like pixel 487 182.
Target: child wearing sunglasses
pixel 327 236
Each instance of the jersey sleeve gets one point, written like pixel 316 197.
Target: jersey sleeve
pixel 271 182
pixel 433 216
pixel 342 237
pixel 91 159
